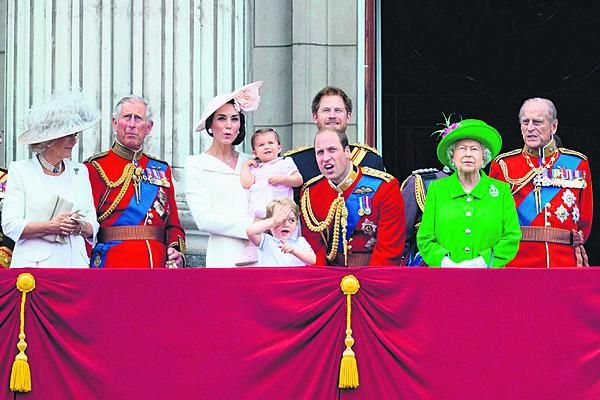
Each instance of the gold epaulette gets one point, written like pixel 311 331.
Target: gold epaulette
pixel 96 156
pixel 5 256
pixel 296 151
pixel 572 152
pixel 377 173
pixel 155 158
pixel 312 181
pixel 510 153
pixel 3 175
pixel 404 182
pixel 366 147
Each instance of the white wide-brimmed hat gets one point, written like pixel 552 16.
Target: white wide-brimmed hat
pixel 62 115
pixel 246 99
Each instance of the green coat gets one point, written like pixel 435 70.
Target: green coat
pixel 465 226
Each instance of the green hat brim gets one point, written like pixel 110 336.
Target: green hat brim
pixel 470 129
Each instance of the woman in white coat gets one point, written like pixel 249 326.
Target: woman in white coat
pixel 48 208
pixel 213 190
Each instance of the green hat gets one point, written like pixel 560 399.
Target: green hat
pixel 468 129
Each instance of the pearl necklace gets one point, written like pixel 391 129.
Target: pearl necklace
pixel 50 167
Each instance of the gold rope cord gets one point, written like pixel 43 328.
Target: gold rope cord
pixel 349 367
pixel 20 376
pixel 337 213
pixel 127 174
pixel 420 192
pixel 124 179
pixel 520 182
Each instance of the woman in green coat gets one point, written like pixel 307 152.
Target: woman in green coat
pixel 470 219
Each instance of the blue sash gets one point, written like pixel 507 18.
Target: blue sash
pixel 134 214
pixel 527 210
pixel 353 203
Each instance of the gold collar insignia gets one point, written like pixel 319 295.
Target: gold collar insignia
pixel 125 152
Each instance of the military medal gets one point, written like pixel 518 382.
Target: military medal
pixel 163 179
pixel 361 210
pixel 160 204
pixel 367 205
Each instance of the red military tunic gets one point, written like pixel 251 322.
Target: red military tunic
pixel 135 230
pixel 372 201
pixel 552 192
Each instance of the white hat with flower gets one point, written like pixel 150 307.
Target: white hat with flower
pixel 62 115
pixel 246 99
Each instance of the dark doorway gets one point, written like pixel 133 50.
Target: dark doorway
pixel 481 59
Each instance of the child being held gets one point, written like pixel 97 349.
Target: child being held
pixel 285 247
pixel 267 177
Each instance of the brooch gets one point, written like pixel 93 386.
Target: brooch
pixel 494 190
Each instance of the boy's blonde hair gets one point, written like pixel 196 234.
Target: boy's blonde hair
pixel 282 201
pixel 262 132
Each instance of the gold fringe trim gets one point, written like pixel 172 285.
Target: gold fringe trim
pixel 20 376
pixel 348 366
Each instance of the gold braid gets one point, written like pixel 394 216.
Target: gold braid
pixel 519 181
pixel 124 179
pixel 420 192
pixel 337 213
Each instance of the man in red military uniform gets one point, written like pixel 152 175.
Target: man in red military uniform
pixel 134 198
pixel 351 215
pixel 552 188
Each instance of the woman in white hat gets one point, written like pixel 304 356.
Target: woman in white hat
pixel 48 208
pixel 213 190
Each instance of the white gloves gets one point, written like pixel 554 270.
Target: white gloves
pixel 478 262
pixel 448 263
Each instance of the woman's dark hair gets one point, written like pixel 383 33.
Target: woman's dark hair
pixel 241 134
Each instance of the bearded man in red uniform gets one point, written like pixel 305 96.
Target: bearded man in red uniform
pixel 552 188
pixel 351 215
pixel 134 198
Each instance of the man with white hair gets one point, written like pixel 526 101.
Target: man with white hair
pixel 552 188
pixel 134 197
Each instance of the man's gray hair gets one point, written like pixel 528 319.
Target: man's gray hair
pixel 487 155
pixel 132 98
pixel 550 107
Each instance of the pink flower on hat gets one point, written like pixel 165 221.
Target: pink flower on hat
pixel 247 99
pixel 450 128
pixel 244 99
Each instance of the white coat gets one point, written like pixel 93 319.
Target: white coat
pixel 219 206
pixel 27 197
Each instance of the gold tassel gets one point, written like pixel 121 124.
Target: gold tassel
pixel 349 367
pixel 20 376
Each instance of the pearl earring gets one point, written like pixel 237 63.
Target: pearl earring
pixel 209 130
